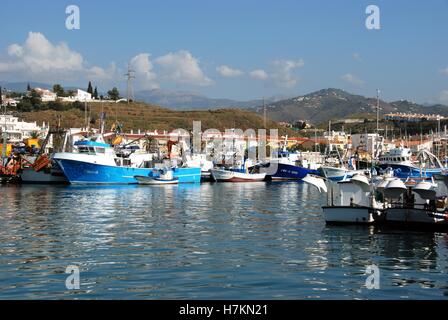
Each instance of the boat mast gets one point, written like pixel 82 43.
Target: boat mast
pixel 4 130
pixel 264 113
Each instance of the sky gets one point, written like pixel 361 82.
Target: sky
pixel 245 49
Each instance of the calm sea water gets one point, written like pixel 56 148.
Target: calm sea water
pixel 208 241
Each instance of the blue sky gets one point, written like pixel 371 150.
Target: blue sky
pixel 214 47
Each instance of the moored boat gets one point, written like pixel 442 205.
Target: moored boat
pixel 400 160
pixel 222 175
pixel 166 176
pixel 95 162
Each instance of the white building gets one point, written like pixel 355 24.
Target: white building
pixel 80 96
pixel 8 101
pixel 17 130
pixel 46 95
pixel 367 142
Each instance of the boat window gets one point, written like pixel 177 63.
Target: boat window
pixel 100 150
pixel 83 150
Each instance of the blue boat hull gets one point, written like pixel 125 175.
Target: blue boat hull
pixel 404 172
pixel 88 173
pixel 290 172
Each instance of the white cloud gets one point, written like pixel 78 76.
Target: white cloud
pixel 38 55
pixel 15 50
pixel 227 71
pixel 144 71
pixel 259 74
pixel 39 59
pixel 444 71
pixel 352 79
pixel 98 73
pixel 182 67
pixel 356 56
pixel 283 72
pixel 444 96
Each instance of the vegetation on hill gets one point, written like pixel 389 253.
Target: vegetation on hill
pixel 330 104
pixel 146 117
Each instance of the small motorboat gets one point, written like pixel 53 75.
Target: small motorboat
pixel 165 176
pixel 222 175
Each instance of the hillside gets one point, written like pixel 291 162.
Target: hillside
pixel 180 100
pixel 328 104
pixel 150 117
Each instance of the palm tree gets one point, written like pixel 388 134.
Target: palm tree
pixel 34 135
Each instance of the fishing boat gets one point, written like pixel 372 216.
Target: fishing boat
pixel 415 206
pixel 400 160
pixel 200 160
pixel 352 203
pixel 50 175
pixel 95 162
pixel 234 175
pixel 336 168
pixel 291 166
pixel 165 176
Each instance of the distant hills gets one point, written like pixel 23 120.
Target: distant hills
pixel 180 100
pixel 329 104
pixel 316 107
pixel 22 86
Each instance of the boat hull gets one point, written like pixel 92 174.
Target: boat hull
pixel 232 176
pixel 78 172
pixel 154 181
pixel 403 172
pixel 29 176
pixel 349 215
pixel 338 174
pixel 412 217
pixel 291 172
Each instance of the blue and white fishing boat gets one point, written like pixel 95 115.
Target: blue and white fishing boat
pixel 290 166
pixel 399 159
pixel 94 162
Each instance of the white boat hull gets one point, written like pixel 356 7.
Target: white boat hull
pixel 154 181
pixel 338 174
pixel 345 214
pixel 231 176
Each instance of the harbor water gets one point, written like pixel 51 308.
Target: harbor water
pixel 204 241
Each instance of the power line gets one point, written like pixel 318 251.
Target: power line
pixel 130 75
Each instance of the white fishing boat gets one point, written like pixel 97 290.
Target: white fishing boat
pixel 353 204
pixel 419 206
pixel 222 175
pixel 339 173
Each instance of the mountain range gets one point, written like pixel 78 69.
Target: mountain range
pixel 328 104
pixel 316 107
pixel 180 100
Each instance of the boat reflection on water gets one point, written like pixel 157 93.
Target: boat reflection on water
pixel 397 254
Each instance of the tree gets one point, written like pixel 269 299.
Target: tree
pixel 34 135
pixel 95 93
pixel 59 90
pixel 28 87
pixel 114 94
pixel 89 88
pixel 35 98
